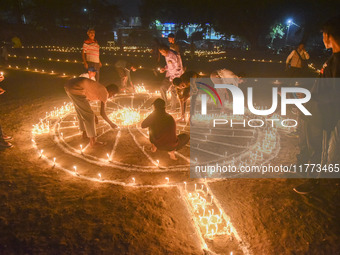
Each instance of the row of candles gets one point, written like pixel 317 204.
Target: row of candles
pixel 134 49
pixel 268 142
pixel 139 89
pixel 209 217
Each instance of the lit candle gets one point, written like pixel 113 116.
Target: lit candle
pixel 81 148
pixel 195 186
pixel 134 180
pixel 167 179
pixel 100 176
pixel 157 162
pixel 41 153
pixel 185 186
pixel 54 161
pixel 211 200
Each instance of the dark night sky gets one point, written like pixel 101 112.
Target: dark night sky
pixel 128 7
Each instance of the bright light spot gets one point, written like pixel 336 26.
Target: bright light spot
pixel 125 117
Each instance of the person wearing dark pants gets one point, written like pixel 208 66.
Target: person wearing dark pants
pixel 323 126
pixel 162 130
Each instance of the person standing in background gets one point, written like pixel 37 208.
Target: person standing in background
pixel 4 138
pixel 295 61
pixel 173 69
pixel 124 69
pixel 90 52
pixel 323 126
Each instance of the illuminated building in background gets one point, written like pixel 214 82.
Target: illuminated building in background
pixel 167 28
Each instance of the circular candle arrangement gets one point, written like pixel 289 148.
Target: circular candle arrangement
pixel 127 151
pixel 126 158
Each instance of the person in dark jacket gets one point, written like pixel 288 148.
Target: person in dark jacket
pixel 162 130
pixel 323 127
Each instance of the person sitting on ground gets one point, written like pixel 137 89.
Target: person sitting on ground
pixel 124 69
pixel 185 89
pixel 4 138
pixel 82 90
pixel 162 130
pixel 91 73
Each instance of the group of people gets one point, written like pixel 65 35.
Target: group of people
pixel 319 134
pixel 85 88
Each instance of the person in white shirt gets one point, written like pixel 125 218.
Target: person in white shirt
pixel 225 76
pixel 173 69
pixel 296 61
pixel 91 73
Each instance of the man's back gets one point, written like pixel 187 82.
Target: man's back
pixel 162 130
pixel 86 87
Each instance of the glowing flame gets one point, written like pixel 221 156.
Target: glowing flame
pixel 125 117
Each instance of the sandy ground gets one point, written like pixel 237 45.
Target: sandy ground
pixel 47 211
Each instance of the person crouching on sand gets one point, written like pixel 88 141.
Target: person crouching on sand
pixel 82 90
pixel 162 130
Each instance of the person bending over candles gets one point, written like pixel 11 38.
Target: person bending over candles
pixel 186 88
pixel 91 73
pixel 82 90
pixel 162 130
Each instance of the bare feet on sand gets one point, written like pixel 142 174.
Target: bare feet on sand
pixel 95 143
pixel 172 155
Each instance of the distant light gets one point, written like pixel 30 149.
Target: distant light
pixel 289 21
pixel 85 10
